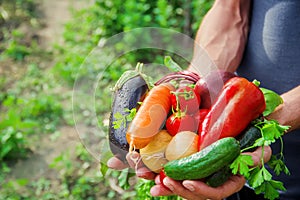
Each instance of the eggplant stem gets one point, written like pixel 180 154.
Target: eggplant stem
pixel 139 67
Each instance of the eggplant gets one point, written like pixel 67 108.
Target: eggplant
pixel 130 89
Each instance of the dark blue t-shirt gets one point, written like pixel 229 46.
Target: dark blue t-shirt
pixel 272 56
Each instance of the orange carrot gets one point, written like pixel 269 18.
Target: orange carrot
pixel 150 116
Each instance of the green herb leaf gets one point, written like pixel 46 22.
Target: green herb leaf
pixel 278 166
pixel 277 185
pixel 270 132
pixel 272 100
pixel 131 114
pixel 282 129
pixel 270 192
pixel 120 120
pixel 171 64
pixel 267 175
pixel 259 142
pixel 256 177
pixel 103 168
pixel 241 165
pixel 256 82
pixel 124 178
pixel 268 189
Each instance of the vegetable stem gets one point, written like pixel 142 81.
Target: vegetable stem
pixel 262 155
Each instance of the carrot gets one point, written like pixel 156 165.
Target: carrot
pixel 150 116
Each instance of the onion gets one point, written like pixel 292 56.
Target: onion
pixel 182 145
pixel 153 155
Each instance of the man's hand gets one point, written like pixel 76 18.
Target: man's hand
pixel 135 162
pixel 198 190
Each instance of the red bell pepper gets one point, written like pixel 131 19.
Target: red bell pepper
pixel 238 103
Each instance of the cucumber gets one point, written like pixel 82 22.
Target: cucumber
pixel 219 177
pixel 248 138
pixel 205 162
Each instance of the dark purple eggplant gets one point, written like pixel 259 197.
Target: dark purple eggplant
pixel 128 91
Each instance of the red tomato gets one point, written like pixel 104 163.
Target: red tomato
pixel 178 122
pixel 162 175
pixel 186 99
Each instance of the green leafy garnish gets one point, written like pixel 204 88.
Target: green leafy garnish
pixel 133 73
pixel 143 191
pixel 241 164
pixel 122 119
pixel 124 178
pixel 272 100
pixel 171 64
pixel 270 189
pixel 103 168
pixel 259 177
pixel 256 82
pixel 277 165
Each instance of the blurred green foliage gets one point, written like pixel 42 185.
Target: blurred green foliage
pixel 107 18
pixel 27 108
pixel 14 13
pixel 31 102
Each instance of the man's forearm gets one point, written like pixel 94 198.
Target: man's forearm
pixel 289 112
pixel 223 35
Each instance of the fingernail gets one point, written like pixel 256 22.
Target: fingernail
pixel 154 192
pixel 168 185
pixel 189 187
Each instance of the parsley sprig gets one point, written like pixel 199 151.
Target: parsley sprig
pixel 121 120
pixel 260 177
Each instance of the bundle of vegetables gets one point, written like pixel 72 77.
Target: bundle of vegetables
pixel 187 127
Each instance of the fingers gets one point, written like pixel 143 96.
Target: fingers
pixel 145 173
pixel 116 164
pixel 157 180
pixel 187 192
pixel 256 155
pixel 175 187
pixel 134 160
pixel 160 190
pixel 197 190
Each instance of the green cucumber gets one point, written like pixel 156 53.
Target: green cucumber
pixel 205 162
pixel 219 177
pixel 248 138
